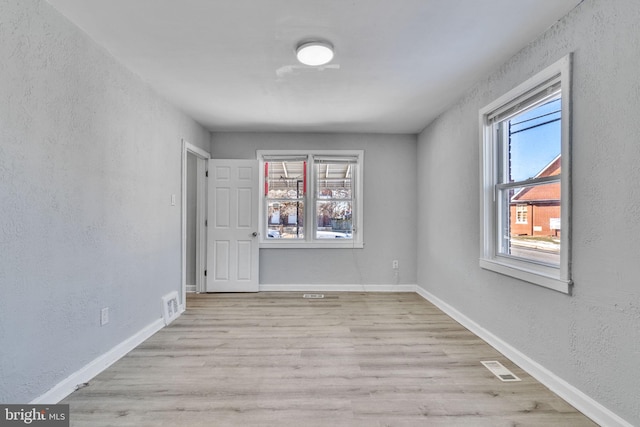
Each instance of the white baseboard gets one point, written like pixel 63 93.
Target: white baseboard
pixel 337 288
pixel 571 394
pixel 99 364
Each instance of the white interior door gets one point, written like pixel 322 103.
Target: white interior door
pixel 232 242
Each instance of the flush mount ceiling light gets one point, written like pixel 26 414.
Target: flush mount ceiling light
pixel 314 53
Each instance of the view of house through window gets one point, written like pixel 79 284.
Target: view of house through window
pixel 529 146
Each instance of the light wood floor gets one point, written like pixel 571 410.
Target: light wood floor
pixel 350 359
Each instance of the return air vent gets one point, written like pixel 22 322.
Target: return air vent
pixel 500 371
pixel 313 296
pixel 171 308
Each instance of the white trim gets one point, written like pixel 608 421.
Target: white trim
pixel 201 218
pixel 337 288
pixel 97 365
pixel 329 244
pixel 522 273
pixel 200 153
pixel 583 403
pixel 196 150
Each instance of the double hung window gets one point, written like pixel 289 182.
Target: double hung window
pixel 525 180
pixel 311 199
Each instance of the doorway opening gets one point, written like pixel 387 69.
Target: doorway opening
pixel 194 215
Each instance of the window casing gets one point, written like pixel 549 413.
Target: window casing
pixel 311 199
pixel 525 180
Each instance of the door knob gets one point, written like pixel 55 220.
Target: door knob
pixel 254 234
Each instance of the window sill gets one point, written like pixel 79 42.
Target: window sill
pixel 528 275
pixel 311 245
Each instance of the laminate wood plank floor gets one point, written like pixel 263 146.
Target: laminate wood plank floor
pixel 349 359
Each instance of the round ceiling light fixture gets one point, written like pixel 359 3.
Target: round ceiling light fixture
pixel 314 53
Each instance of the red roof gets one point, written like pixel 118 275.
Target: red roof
pixel 546 192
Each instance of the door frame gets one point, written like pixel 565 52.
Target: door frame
pixel 201 215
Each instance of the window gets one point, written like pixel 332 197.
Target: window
pixel 311 199
pixel 521 214
pixel 525 180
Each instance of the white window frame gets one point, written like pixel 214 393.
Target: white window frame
pixel 553 277
pixel 310 216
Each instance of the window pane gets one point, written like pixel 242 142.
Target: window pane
pixel 334 220
pixel 334 180
pixel 285 219
pixel 537 238
pixel 285 179
pixel 334 199
pixel 531 142
pixel 285 186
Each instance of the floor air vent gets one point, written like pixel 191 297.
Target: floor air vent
pixel 171 308
pixel 500 371
pixel 313 296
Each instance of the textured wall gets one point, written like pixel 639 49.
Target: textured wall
pixel 390 210
pixel 89 158
pixel 590 339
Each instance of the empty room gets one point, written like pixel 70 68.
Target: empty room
pixel 320 212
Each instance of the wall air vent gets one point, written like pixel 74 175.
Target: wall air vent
pixel 313 296
pixel 170 307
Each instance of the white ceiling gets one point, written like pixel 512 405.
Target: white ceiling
pixel 230 64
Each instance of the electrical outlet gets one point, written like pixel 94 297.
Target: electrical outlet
pixel 104 316
pixel 394 264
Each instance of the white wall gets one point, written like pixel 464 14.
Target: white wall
pixel 590 339
pixel 390 211
pixel 89 158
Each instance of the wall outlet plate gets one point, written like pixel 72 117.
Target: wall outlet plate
pixel 104 316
